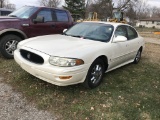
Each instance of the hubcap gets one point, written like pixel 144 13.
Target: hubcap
pixel 11 46
pixel 96 73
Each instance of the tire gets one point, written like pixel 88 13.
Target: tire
pixel 8 44
pixel 95 74
pixel 138 57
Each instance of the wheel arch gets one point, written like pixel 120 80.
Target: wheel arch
pixel 141 48
pixel 105 60
pixel 17 32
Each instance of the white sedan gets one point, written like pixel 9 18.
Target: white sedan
pixel 82 54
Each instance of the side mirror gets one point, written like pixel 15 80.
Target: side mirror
pixel 39 19
pixel 119 39
pixel 64 30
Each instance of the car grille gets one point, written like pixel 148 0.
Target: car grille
pixel 32 57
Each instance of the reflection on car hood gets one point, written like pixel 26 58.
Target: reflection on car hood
pixel 59 45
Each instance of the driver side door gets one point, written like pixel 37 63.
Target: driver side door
pixel 46 28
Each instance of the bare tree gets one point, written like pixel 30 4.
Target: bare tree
pixel 125 4
pixel 50 3
pixel 7 4
pixel 105 8
pixel 154 12
pixel 142 9
pixel 10 6
pixel 2 3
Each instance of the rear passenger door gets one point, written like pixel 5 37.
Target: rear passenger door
pixel 62 20
pixel 46 28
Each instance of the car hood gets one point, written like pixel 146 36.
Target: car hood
pixel 7 18
pixel 60 45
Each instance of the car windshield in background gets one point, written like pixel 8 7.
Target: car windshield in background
pixel 93 31
pixel 24 12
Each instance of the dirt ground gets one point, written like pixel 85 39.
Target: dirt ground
pixel 13 106
pixel 152 40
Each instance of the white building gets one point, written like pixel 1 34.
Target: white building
pixel 149 22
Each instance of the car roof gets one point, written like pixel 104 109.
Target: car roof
pixel 111 23
pixel 46 7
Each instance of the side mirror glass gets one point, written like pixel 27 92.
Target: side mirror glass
pixel 64 30
pixel 39 19
pixel 119 39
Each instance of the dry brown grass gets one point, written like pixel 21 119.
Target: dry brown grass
pixel 149 34
pixel 152 53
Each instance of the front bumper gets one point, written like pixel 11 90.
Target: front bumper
pixel 50 73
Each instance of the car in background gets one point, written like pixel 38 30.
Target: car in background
pixel 5 12
pixel 82 54
pixel 31 21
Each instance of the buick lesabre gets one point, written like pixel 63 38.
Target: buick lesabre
pixel 82 54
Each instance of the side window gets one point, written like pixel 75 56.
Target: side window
pixel 61 16
pixel 47 14
pixel 131 33
pixel 121 31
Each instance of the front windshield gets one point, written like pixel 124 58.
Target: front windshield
pixel 24 12
pixel 93 31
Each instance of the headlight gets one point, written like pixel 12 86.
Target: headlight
pixel 65 62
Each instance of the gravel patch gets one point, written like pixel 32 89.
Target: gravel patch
pixel 14 107
pixel 152 40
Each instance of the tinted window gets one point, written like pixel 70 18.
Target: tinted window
pixel 121 31
pixel 131 33
pixel 61 16
pixel 47 14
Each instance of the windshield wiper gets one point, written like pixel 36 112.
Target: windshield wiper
pixel 78 36
pixel 12 15
pixel 90 38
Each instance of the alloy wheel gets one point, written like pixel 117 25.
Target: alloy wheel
pixel 10 46
pixel 96 74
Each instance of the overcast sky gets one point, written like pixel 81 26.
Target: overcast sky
pixel 20 3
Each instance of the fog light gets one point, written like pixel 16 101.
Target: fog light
pixel 65 77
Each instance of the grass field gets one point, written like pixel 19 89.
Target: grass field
pixel 131 92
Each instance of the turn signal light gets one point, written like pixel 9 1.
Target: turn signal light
pixel 65 77
pixel 79 62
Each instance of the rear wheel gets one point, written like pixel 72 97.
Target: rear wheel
pixel 95 74
pixel 8 44
pixel 138 57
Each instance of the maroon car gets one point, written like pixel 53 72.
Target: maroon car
pixel 30 21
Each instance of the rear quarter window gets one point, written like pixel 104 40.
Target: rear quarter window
pixel 61 16
pixel 132 34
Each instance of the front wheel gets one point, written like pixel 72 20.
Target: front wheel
pixel 138 57
pixel 95 74
pixel 8 44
